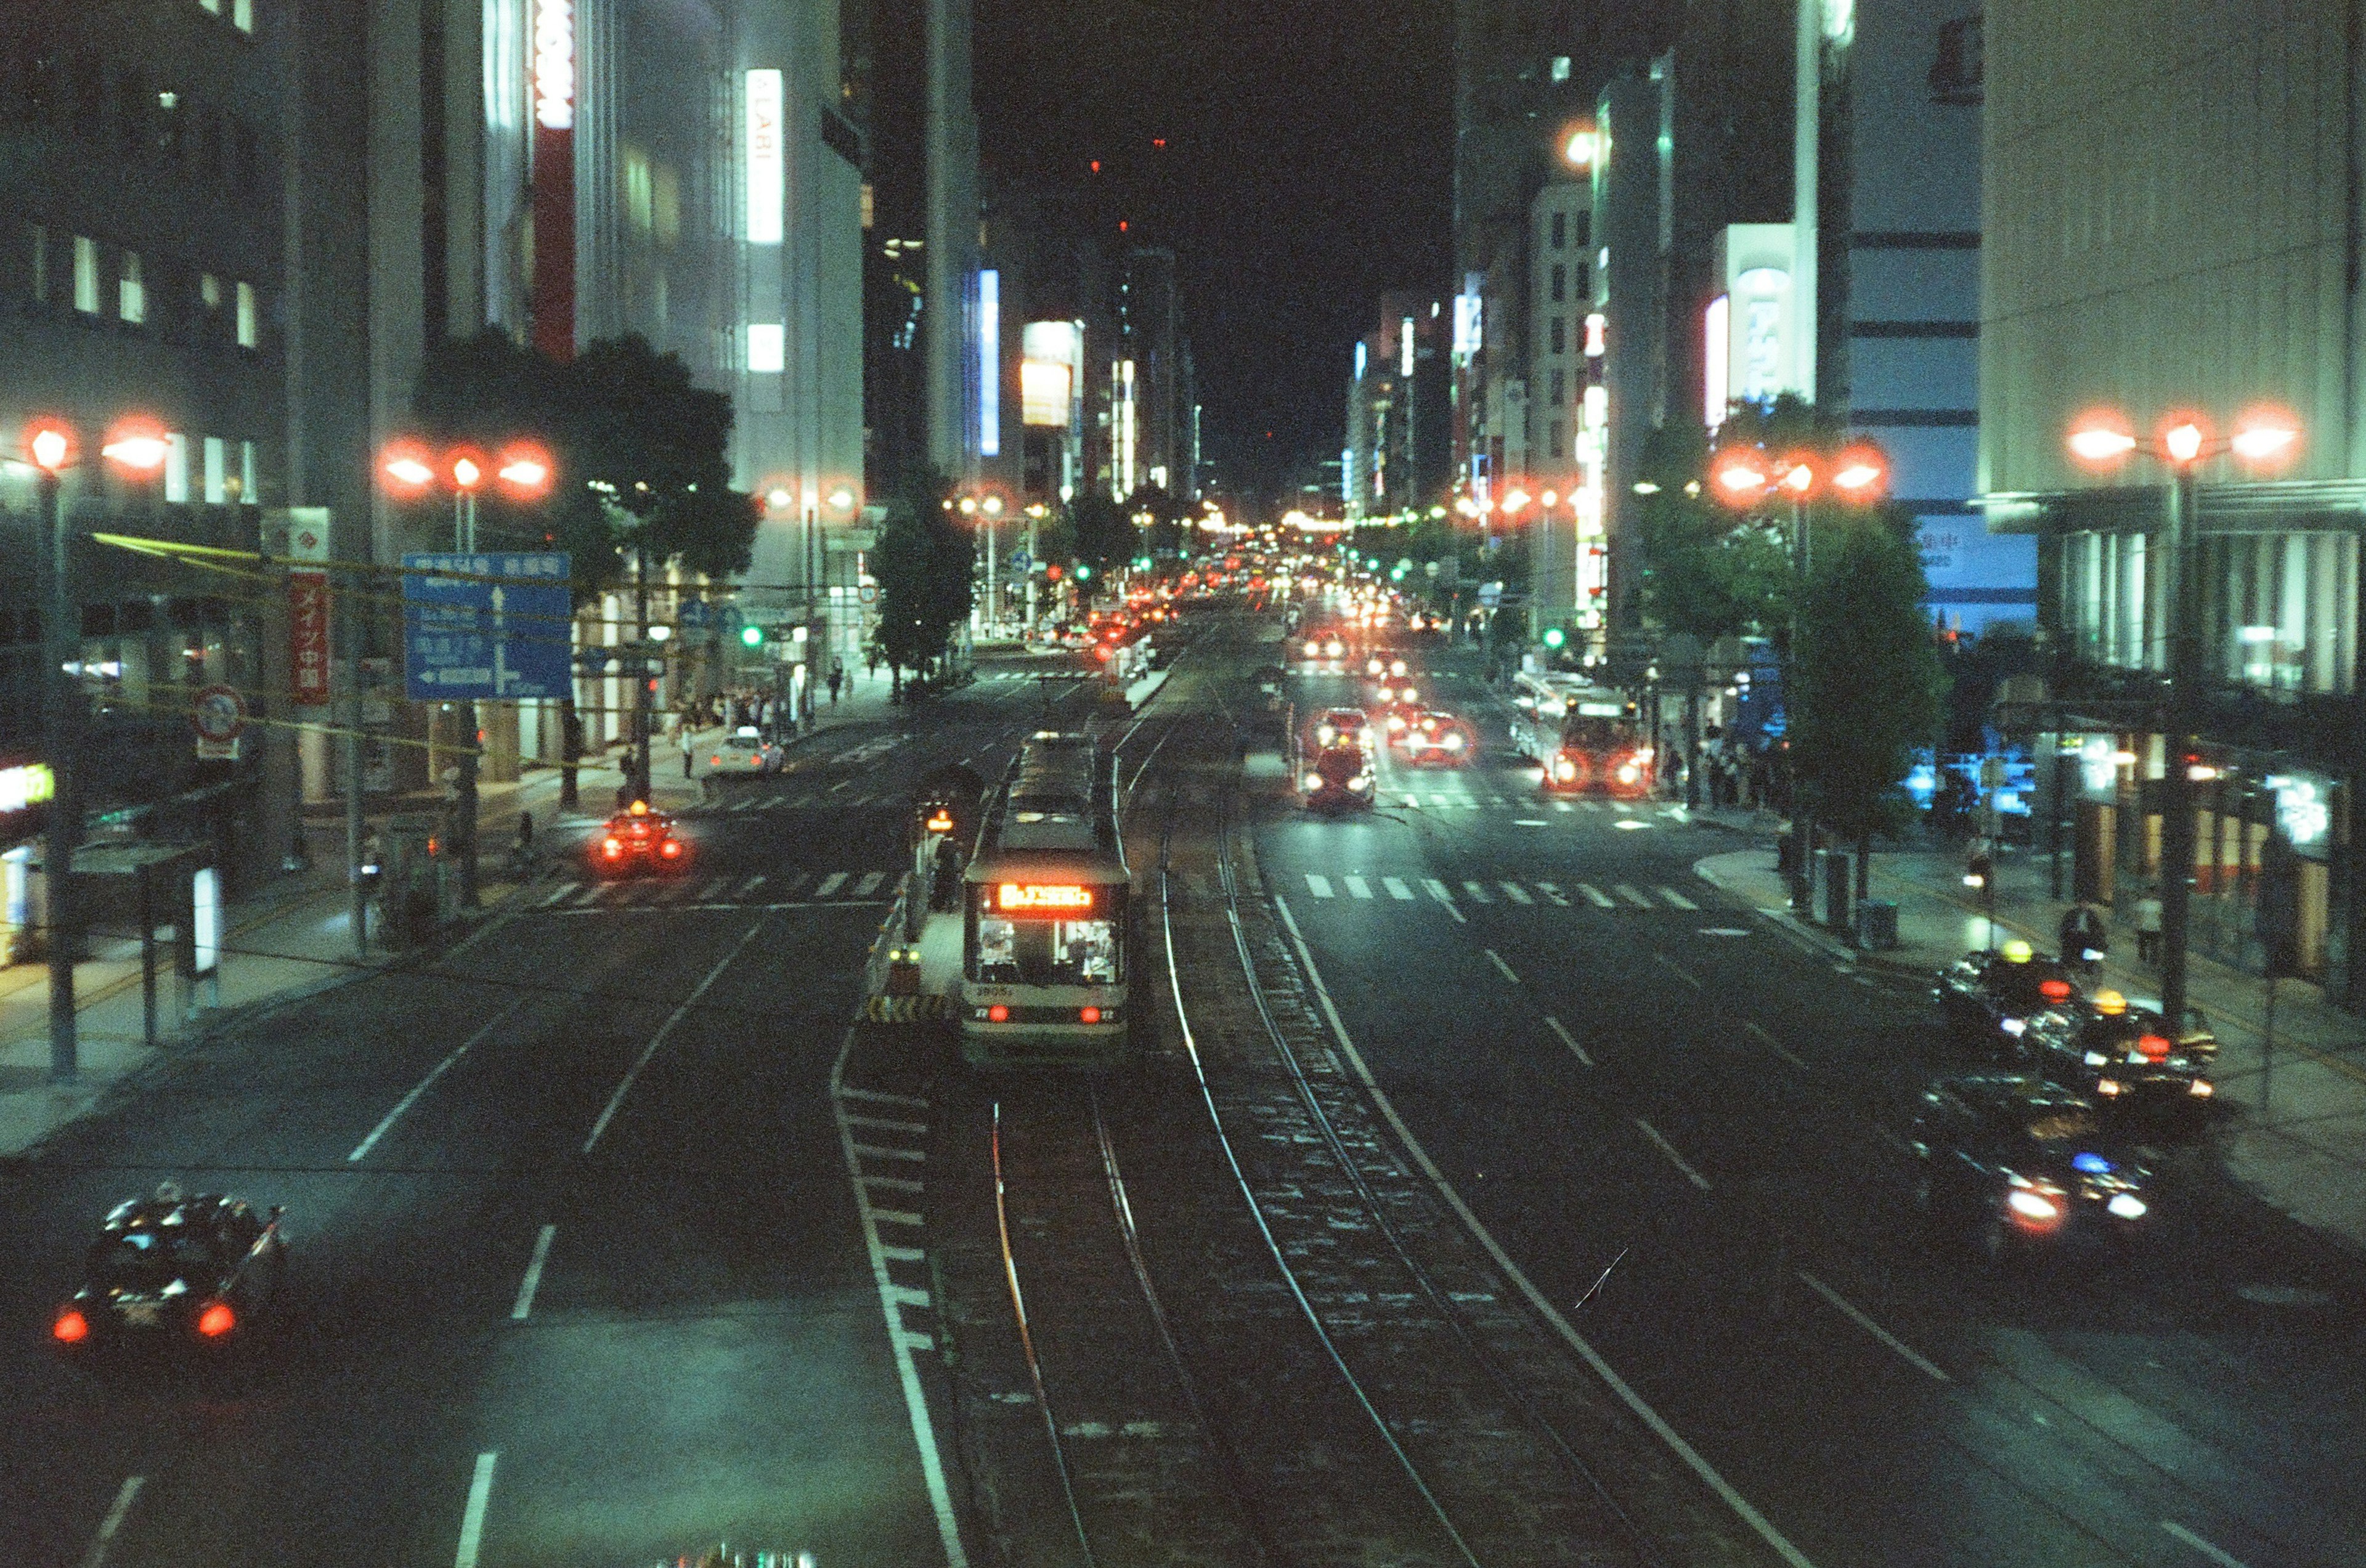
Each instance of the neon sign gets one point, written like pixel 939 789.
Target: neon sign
pixel 554 64
pixel 30 785
pixel 1043 895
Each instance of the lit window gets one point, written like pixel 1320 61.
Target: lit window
pixel 209 290
pixel 36 243
pixel 246 472
pixel 217 474
pixel 176 469
pixel 1561 68
pixel 250 335
pixel 131 292
pixel 767 348
pixel 212 7
pixel 241 14
pixel 86 275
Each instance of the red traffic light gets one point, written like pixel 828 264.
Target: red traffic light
pixel 1056 571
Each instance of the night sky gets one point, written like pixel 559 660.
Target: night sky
pixel 1307 166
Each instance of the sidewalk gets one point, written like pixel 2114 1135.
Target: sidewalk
pixel 2296 1128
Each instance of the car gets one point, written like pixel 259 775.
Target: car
pixel 638 839
pixel 2019 1163
pixel 745 750
pixel 1988 997
pixel 1339 778
pixel 1329 642
pixel 169 1272
pixel 1386 664
pixel 2126 1057
pixel 1431 739
pixel 1333 725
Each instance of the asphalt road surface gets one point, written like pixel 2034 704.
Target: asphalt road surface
pixel 576 1277
pixel 1606 1055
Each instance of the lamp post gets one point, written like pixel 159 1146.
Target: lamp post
pixel 53 447
pixel 408 471
pixel 2103 440
pixel 1747 478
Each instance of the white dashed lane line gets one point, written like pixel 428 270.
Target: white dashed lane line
pixel 532 1281
pixel 1668 1149
pixel 1568 1039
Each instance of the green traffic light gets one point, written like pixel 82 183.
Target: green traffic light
pixel 1555 637
pixel 751 636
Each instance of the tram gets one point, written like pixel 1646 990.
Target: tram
pixel 1044 940
pixel 1586 738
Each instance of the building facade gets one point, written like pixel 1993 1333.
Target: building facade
pixel 2137 267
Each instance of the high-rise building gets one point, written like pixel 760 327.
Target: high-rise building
pixel 2139 274
pixel 1396 459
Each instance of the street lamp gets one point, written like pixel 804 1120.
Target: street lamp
pixel 2100 439
pixel 1746 478
pixel 52 446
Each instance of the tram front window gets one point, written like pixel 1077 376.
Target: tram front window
pixel 1046 953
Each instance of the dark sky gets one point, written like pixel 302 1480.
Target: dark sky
pixel 1307 166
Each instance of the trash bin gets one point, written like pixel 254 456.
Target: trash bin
pixel 1877 925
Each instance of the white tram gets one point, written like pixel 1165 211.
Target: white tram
pixel 1044 940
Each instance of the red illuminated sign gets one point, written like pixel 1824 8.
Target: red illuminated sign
pixel 1060 897
pixel 308 637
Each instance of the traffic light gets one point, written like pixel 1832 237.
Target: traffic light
pixel 1056 571
pixel 1084 572
pixel 751 636
pixel 1555 637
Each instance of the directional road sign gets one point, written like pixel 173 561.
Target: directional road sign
pixel 494 625
pixel 1020 560
pixel 697 615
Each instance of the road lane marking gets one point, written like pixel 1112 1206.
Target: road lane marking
pixel 2178 1532
pixel 1318 886
pixel 870 884
pixel 116 1514
pixel 1679 971
pixel 1596 897
pixel 1553 894
pixel 532 1281
pixel 564 890
pixel 885 1125
pixel 1676 899
pixel 1530 822
pixel 1358 887
pixel 1742 1509
pixel 875 1151
pixel 1622 808
pixel 616 1101
pixel 437 1071
pixel 1774 1045
pixel 1439 800
pixel 882 1097
pixel 1516 892
pixel 1848 1310
pixel 1563 805
pixel 1632 894
pixel 1397 889
pixel 472 1517
pixel 1594 806
pixel 1568 1039
pixel 830 883
pixel 1497 800
pixel 1668 1149
pixel 1501 967
pixel 1477 892
pixel 1413 803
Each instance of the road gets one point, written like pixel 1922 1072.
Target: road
pixel 576 1275
pixel 1606 1057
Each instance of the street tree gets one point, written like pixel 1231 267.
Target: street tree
pixel 926 564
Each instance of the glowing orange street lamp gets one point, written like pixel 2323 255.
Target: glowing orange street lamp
pixel 523 471
pixel 138 444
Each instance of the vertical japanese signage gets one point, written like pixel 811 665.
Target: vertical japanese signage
pixel 308 606
pixel 554 85
pixel 767 168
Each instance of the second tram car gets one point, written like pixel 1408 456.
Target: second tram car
pixel 1044 913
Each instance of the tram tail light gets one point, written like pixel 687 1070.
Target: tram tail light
pixel 998 1014
pixel 1088 1015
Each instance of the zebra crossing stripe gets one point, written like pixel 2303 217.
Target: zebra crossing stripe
pixel 1397 889
pixel 1552 892
pixel 1593 806
pixel 1358 888
pixel 1517 893
pixel 870 884
pixel 1497 800
pixel 1633 895
pixel 1621 807
pixel 830 885
pixel 1677 899
pixel 1439 890
pixel 1318 886
pixel 1439 800
pixel 1477 892
pixel 1563 805
pixel 1596 897
pixel 561 891
pixel 746 888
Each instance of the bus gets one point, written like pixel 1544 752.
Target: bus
pixel 1043 942
pixel 1587 738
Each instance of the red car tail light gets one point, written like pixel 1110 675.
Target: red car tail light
pixel 2153 1047
pixel 217 1320
pixel 998 1014
pixel 2055 990
pixel 671 848
pixel 612 848
pixel 1088 1015
pixel 71 1327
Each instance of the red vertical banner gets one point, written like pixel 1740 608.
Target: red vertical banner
pixel 308 637
pixel 554 77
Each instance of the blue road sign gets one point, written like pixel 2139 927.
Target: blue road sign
pixel 697 615
pixel 493 625
pixel 1020 560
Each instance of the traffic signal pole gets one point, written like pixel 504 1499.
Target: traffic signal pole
pixel 2177 727
pixel 65 804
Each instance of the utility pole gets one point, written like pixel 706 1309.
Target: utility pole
pixel 641 674
pixel 464 830
pixel 2177 727
pixel 60 632
pixel 356 881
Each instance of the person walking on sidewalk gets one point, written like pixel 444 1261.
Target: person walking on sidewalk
pixel 2148 925
pixel 2084 940
pixel 837 679
pixel 688 742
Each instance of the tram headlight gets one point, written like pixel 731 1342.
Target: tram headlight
pixel 1313 782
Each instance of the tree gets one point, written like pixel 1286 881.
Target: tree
pixel 1166 519
pixel 1101 533
pixel 1705 573
pixel 927 567
pixel 1868 689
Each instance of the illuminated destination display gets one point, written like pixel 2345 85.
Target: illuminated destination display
pixel 554 64
pixel 1063 897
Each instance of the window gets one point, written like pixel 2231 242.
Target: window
pixel 216 470
pixel 1559 334
pixel 1561 68
pixel 1560 282
pixel 1560 230
pixel 131 292
pixel 250 329
pixel 241 14
pixel 1559 431
pixel 1584 227
pixel 37 262
pixel 176 469
pixel 86 275
pixel 246 491
pixel 209 290
pixel 1559 386
pixel 1584 281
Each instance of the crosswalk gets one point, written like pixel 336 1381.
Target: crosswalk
pixel 1499 892
pixel 716 892
pixel 740 804
pixel 1638 812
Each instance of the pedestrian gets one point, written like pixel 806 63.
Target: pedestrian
pixel 837 679
pixel 2084 939
pixel 687 741
pixel 871 661
pixel 2148 925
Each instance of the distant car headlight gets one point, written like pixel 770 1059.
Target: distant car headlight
pixel 1564 769
pixel 1360 783
pixel 2127 1206
pixel 2097 1059
pixel 2032 1205
pixel 1453 741
pixel 2200 1088
pixel 2107 1086
pixel 1313 781
pixel 2015 1026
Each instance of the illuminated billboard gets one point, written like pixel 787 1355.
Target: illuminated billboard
pixel 989 363
pixel 552 299
pixel 1757 346
pixel 1044 395
pixel 767 160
